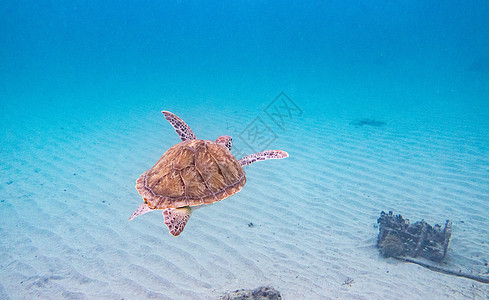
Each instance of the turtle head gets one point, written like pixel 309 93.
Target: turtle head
pixel 225 141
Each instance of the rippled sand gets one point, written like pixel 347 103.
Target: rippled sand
pixel 67 191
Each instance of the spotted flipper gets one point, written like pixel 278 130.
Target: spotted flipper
pixel 176 219
pixel 268 154
pixel 180 126
pixel 141 210
pixel 225 140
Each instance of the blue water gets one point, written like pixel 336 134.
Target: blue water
pixel 82 85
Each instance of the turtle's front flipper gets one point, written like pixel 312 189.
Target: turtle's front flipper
pixel 176 219
pixel 180 126
pixel 142 209
pixel 268 154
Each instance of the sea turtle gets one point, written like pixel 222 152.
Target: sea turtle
pixel 193 173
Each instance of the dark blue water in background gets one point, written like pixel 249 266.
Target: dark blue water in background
pixel 329 54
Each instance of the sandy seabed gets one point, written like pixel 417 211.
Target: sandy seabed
pixel 67 191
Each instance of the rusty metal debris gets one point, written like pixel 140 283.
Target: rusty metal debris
pixel 399 238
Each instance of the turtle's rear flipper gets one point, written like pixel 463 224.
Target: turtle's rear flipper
pixel 142 209
pixel 176 219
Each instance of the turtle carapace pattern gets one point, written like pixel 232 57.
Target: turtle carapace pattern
pixel 193 173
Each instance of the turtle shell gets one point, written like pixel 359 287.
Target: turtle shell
pixel 190 173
